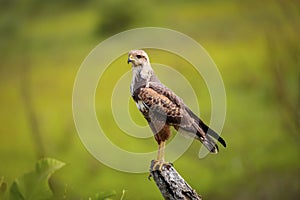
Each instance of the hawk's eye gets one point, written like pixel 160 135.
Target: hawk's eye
pixel 138 56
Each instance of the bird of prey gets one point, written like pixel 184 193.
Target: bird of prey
pixel 162 108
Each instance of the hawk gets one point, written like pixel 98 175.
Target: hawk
pixel 162 108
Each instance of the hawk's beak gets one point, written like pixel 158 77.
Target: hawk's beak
pixel 130 59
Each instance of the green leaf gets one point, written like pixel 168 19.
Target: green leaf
pixel 3 187
pixel 34 185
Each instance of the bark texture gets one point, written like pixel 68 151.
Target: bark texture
pixel 171 185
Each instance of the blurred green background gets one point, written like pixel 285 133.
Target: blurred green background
pixel 255 45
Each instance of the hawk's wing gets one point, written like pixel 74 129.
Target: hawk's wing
pixel 161 106
pixel 188 119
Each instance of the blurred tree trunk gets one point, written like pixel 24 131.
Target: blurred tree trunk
pixel 29 108
pixel 284 63
pixel 24 43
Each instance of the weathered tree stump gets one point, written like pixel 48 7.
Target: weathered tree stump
pixel 171 185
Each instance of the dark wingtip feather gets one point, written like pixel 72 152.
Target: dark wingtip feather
pixel 216 136
pixel 222 141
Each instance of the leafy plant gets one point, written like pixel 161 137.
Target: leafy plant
pixel 34 185
pixel 3 187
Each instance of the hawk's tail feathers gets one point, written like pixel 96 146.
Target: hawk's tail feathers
pixel 206 129
pixel 213 134
pixel 209 143
pixel 206 139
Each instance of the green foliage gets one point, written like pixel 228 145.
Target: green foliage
pixel 34 185
pixel 116 16
pixel 3 187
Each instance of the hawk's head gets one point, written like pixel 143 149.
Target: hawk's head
pixel 138 58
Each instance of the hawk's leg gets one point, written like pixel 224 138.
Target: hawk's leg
pixel 161 151
pixel 161 137
pixel 160 162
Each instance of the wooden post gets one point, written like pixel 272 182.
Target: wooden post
pixel 171 185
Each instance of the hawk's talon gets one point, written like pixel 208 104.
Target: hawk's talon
pixel 158 165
